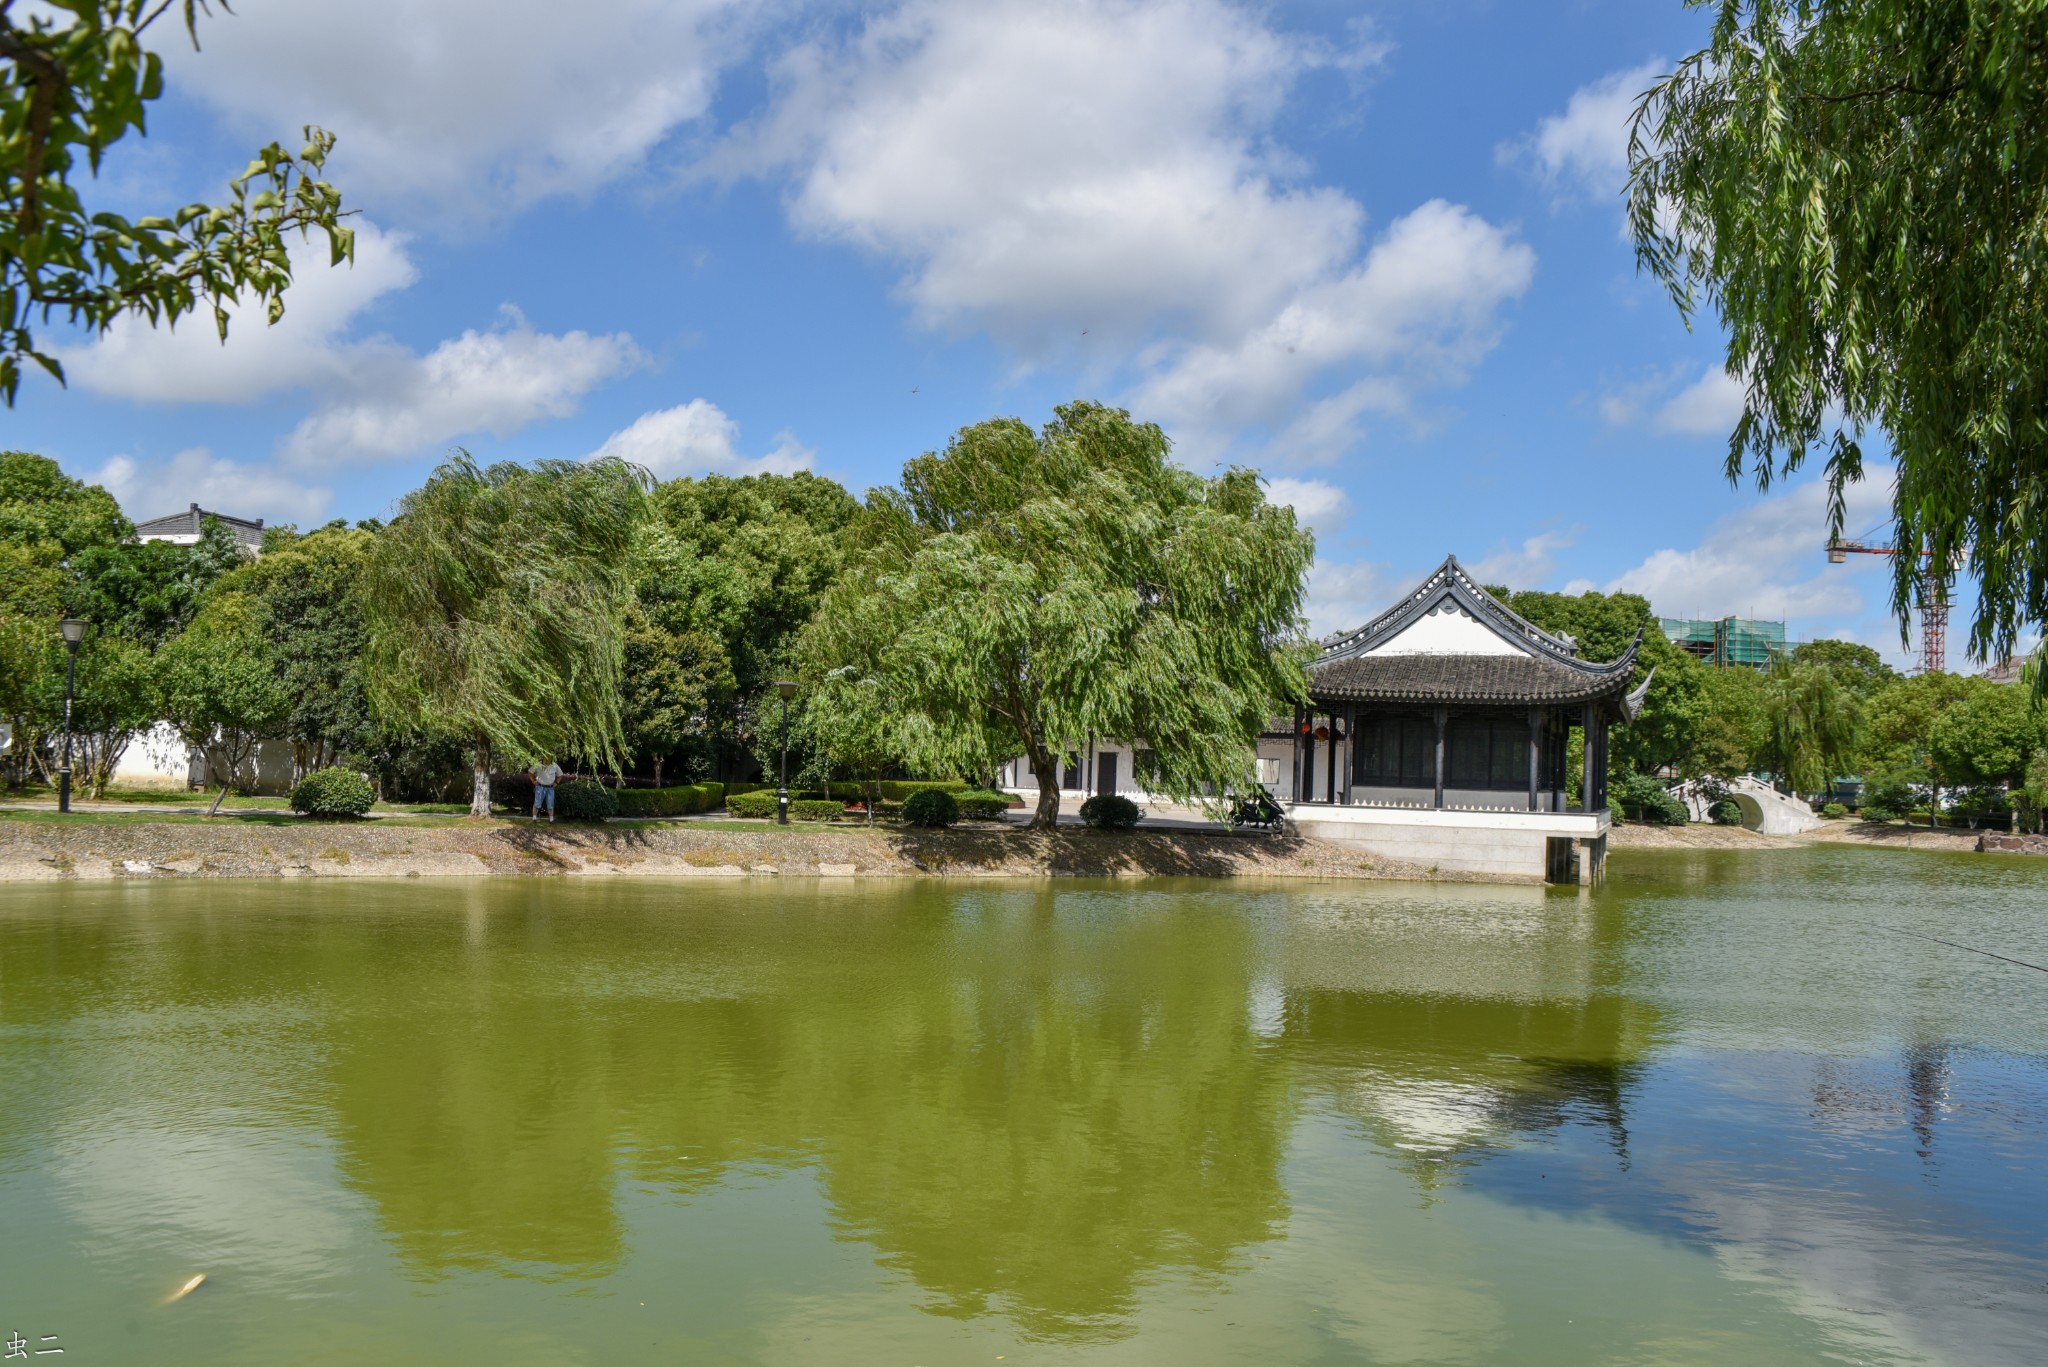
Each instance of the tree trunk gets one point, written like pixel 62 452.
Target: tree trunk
pixel 480 778
pixel 1046 770
pixel 657 772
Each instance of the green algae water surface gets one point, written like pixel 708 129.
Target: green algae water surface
pixel 1730 1108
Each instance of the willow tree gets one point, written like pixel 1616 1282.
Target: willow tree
pixel 1812 725
pixel 1024 591
pixel 1859 188
pixel 493 608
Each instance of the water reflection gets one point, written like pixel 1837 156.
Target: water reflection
pixel 1035 1105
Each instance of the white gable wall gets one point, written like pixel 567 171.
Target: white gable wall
pixel 1447 629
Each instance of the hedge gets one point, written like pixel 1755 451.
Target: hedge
pixel 684 801
pixel 817 809
pixel 333 793
pixel 982 806
pixel 760 802
pixel 585 799
pixel 1834 811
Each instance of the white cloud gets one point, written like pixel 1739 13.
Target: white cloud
pixel 697 437
pixel 1057 168
pixel 190 364
pixel 1708 407
pixel 1527 566
pixel 472 105
pixel 147 489
pixel 379 398
pixel 1318 505
pixel 1585 148
pixel 497 381
pixel 1425 303
pixel 1345 595
pixel 1766 561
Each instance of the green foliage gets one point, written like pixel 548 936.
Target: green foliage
pixel 40 505
pixel 1890 794
pixel 1860 191
pixel 1857 667
pixel 732 569
pixel 493 607
pixel 1642 798
pixel 1834 811
pixel 1604 625
pixel 682 801
pixel 1729 725
pixel 1726 812
pixel 671 680
pixel 72 84
pixel 930 807
pixel 2032 796
pixel 333 793
pixel 759 803
pixel 1986 735
pixel 983 806
pixel 119 698
pixel 1899 722
pixel 148 591
pixel 1026 589
pixel 585 799
pixel 816 809
pixel 1111 812
pixel 312 610
pixel 221 689
pixel 1811 726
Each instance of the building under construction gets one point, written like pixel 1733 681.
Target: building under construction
pixel 1728 640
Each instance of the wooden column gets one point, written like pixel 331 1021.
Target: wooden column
pixel 1297 754
pixel 1350 749
pixel 1440 718
pixel 1330 762
pixel 1586 761
pixel 1535 750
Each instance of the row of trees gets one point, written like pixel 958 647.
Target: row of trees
pixel 1019 591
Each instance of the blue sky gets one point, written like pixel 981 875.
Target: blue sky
pixel 1374 251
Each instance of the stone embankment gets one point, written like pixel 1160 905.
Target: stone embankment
pixel 1998 842
pixel 133 848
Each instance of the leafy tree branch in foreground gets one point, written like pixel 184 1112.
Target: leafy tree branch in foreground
pixel 75 79
pixel 1859 190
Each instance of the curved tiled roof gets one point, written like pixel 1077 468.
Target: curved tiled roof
pixel 1542 669
pixel 1468 679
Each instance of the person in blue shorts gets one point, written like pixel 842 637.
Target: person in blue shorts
pixel 544 780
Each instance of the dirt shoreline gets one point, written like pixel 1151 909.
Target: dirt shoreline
pixel 131 847
pixel 1868 834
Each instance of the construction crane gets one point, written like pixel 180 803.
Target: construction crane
pixel 1933 596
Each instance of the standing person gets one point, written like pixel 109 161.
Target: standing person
pixel 544 780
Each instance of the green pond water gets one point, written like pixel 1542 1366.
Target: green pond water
pixel 1721 1110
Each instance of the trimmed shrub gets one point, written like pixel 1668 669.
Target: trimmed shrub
pixel 758 803
pixel 585 799
pixel 1111 812
pixel 930 807
pixel 1726 812
pixel 982 806
pixel 683 801
pixel 333 794
pixel 1834 811
pixel 816 809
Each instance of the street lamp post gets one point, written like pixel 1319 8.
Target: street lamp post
pixel 787 689
pixel 74 632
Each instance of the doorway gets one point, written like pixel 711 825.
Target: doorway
pixel 1105 773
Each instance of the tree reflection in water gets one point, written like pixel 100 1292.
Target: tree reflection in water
pixel 1030 1102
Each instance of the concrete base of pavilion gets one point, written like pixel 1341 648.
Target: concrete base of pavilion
pixel 1504 846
